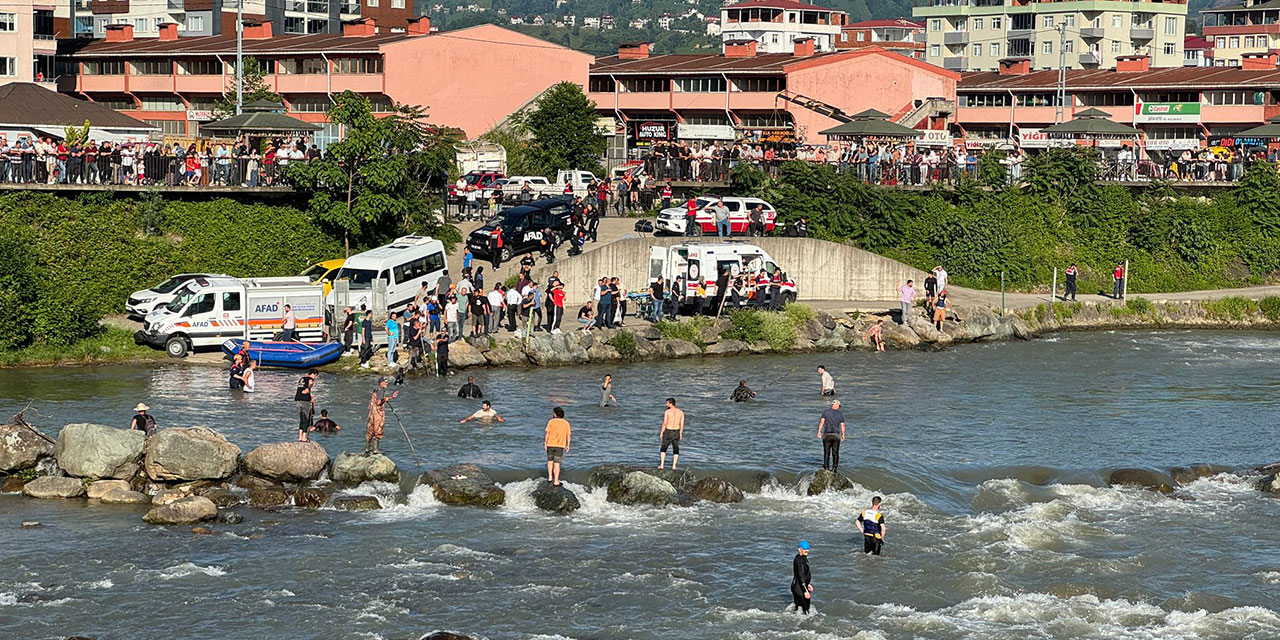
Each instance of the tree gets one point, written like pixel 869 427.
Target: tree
pixel 563 130
pixel 1259 195
pixel 254 89
pixel 373 184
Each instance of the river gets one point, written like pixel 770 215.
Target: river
pixel 991 458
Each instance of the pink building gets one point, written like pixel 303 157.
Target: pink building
pixel 469 79
pixel 745 96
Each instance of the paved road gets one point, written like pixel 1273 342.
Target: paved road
pixel 611 230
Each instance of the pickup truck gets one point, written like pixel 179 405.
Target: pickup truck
pixel 482 180
pixel 522 228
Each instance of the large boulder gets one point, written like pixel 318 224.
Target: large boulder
pixel 288 461
pixel 677 477
pixel 268 498
pixel 464 484
pixel 54 487
pixel 311 497
pixel 726 348
pixel 98 451
pixel 1145 478
pixel 505 356
pixel 189 510
pixel 832 342
pixel 195 453
pixel 1191 473
pixel 462 354
pixel 608 474
pixel 824 481
pixel 638 487
pixel 102 487
pixel 677 348
pixel 554 349
pixel 555 499
pixel 21 447
pixel 603 353
pixel 354 468
pixel 356 503
pixel 713 490
pixel 124 496
pixel 899 337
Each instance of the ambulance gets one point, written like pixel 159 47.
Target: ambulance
pixel 210 310
pixel 694 262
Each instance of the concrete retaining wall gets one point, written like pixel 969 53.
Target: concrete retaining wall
pixel 823 270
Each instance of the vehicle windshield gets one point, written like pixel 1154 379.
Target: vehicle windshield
pixel 359 278
pixel 169 285
pixel 471 178
pixel 314 272
pixel 509 219
pixel 179 301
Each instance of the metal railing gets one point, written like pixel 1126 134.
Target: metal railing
pixel 147 170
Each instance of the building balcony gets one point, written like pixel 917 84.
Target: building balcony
pixel 44 43
pixel 102 84
pixel 358 82
pixel 1242 30
pixel 658 101
pixel 955 37
pixel 110 6
pixel 1093 33
pixel 1142 34
pixel 200 83
pixel 152 84
pixel 1090 58
pixel 1020 34
pixel 956 63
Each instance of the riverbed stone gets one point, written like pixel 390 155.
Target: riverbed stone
pixel 311 497
pixel 756 481
pixel 552 349
pixel 354 468
pixel 100 488
pixel 677 348
pixel 189 510
pixel 1146 478
pixel 555 499
pixel 224 497
pixel 504 356
pixel 830 343
pixel 54 487
pixel 288 461
pixel 726 348
pixel 356 503
pixel 125 496
pixel 444 635
pixel 11 484
pixel 267 498
pixel 824 481
pixel 603 353
pixel 1193 472
pixel 21 448
pixel 97 451
pixel 608 474
pixel 639 488
pixel 677 477
pixel 248 481
pixel 463 355
pixel 713 490
pixel 228 517
pixel 899 337
pixel 169 496
pixel 194 453
pixel 464 485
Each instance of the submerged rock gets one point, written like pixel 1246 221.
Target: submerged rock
pixel 638 487
pixel 288 461
pixel 677 477
pixel 444 635
pixel 21 448
pixel 1191 473
pixel 356 503
pixel 98 451
pixel 196 453
pixel 1145 478
pixel 229 517
pixel 125 496
pixel 311 497
pixel 54 487
pixel 608 474
pixel 189 510
pixel 555 499
pixel 247 481
pixel 713 490
pixel 756 481
pixel 464 484
pixel 354 468
pixel 224 497
pixel 267 498
pixel 825 480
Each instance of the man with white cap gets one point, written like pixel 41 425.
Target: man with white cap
pixel 143 421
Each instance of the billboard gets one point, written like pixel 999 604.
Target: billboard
pixel 1166 112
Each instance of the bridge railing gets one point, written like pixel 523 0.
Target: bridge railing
pixel 147 170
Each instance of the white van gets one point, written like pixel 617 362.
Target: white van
pixel 208 311
pixel 405 264
pixel 704 262
pixel 140 303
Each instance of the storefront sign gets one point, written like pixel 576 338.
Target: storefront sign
pixel 1172 144
pixel 650 131
pixel 932 138
pixel 705 132
pixel 1030 138
pixel 199 115
pixel 771 136
pixel 1166 112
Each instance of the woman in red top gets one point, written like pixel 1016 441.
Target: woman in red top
pixel 192 163
pixel 557 309
pixel 269 163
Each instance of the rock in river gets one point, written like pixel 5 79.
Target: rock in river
pixel 713 490
pixel 102 487
pixel 638 487
pixel 288 461
pixel 356 503
pixel 195 453
pixel 464 484
pixel 54 487
pixel 188 510
pixel 354 468
pixel 21 448
pixel 824 481
pixel 125 496
pixel 98 451
pixel 1145 478
pixel 555 499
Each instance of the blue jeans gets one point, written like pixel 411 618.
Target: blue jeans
pixel 391 351
pixel 722 228
pixel 906 312
pixel 657 309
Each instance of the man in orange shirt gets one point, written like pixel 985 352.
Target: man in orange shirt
pixel 556 443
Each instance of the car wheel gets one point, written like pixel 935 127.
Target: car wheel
pixel 789 297
pixel 176 347
pixel 505 254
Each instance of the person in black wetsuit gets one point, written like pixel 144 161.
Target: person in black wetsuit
pixel 470 389
pixel 801 589
pixel 743 393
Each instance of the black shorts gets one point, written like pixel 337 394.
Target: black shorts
pixel 555 454
pixel 872 544
pixel 828 392
pixel 671 439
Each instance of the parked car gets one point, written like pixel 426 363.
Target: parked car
pixel 513 187
pixel 141 303
pixel 471 181
pixel 522 228
pixel 672 220
pixel 323 273
pixel 405 264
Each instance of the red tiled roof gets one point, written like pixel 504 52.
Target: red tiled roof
pixel 778 4
pixel 901 23
pixel 1196 42
pixel 1108 80
pixel 226 45
pixel 765 63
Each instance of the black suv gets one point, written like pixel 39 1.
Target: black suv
pixel 522 227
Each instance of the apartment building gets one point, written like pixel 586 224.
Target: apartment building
pixel 90 18
pixel 470 79
pixel 1197 52
pixel 27 44
pixel 898 35
pixel 775 24
pixel 974 35
pixel 1251 26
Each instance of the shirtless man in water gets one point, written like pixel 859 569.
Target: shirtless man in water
pixel 672 433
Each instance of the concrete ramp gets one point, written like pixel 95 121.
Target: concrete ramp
pixel 823 270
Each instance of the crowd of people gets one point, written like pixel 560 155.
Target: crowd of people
pixel 213 163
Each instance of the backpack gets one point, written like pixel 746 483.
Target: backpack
pixel 644 226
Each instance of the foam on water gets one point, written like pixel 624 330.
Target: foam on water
pixel 104 583
pixel 387 493
pixel 8 599
pixel 189 569
pixel 419 503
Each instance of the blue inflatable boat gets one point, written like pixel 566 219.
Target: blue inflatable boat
pixel 293 355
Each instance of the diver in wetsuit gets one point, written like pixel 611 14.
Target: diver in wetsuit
pixel 801 589
pixel 742 393
pixel 470 390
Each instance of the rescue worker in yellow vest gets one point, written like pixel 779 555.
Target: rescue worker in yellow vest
pixel 871 523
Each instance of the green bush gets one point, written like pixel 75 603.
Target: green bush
pixel 687 330
pixel 779 332
pixel 746 325
pixel 752 326
pixel 1270 307
pixel 799 313
pixel 1232 308
pixel 1139 306
pixel 1065 310
pixel 625 343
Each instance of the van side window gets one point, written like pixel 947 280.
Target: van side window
pixel 434 263
pixel 202 304
pixel 386 275
pixel 231 301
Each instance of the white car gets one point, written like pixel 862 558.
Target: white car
pixel 540 186
pixel 140 303
pixel 672 220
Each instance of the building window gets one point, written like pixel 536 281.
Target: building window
pixel 935 51
pixel 84 24
pixel 1097 22
pixel 977 49
pixel 760 85
pixel 397 4
pixel 294 25
pixel 119 103
pixel 140 25
pixel 195 23
pixel 1118 99
pixel 1115 48
pixel 984 100
pixel 1171 96
pixel 1069 46
pixel 1170 26
pixel 199 103
pixel 1069 20
pixel 159 22
pixel 309 104
pixel 1117 20
pixel 1235 42
pixel 302 66
pixel 995 49
pixel 354 66
pixel 977 24
pixel 162 103
pixel 8 66
pixel 700 85
pixel 104 68
pixel 200 67
pixel 1248 42
pixel 170 127
pixel 1038 100
pixel 997 23
pixel 373 3
pixel 317 26
pixel 646 85
pixel 1255 98
pixel 1169 48
pixel 8 22
pixel 600 84
pixel 1220 42
pixel 153 67
pixel 935 24
pixel 1046 47
pixel 1048 22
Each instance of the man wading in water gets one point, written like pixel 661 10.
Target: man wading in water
pixel 305 399
pixel 470 390
pixel 871 523
pixel 828 383
pixel 831 433
pixel 801 589
pixel 743 393
pixel 377 416
pixel 672 433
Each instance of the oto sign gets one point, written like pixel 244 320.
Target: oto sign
pixel 1166 112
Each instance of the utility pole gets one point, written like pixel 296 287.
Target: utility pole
pixel 239 56
pixel 1059 114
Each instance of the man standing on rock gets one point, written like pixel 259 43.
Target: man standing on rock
pixel 556 443
pixel 831 432
pixel 377 416
pixel 305 399
pixel 908 292
pixel 672 434
pixel 828 383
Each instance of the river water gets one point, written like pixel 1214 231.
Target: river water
pixel 991 458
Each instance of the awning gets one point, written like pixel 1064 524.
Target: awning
pixel 871 123
pixel 1091 122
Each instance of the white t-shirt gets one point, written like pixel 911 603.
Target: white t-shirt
pixel 495 299
pixel 451 312
pixel 513 297
pixel 942 279
pixel 248 380
pixel 828 382
pixel 485 414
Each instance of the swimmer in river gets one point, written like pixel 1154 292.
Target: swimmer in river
pixel 606 392
pixel 671 435
pixel 324 424
pixel 484 414
pixel 876 334
pixel 801 587
pixel 743 393
pixel 828 383
pixel 871 523
pixel 470 390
